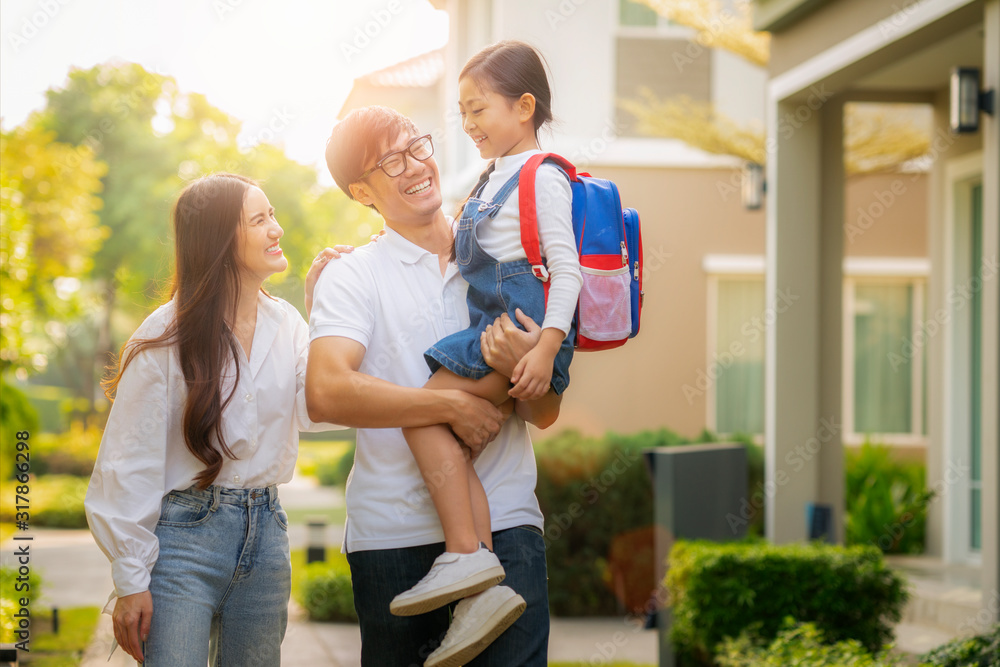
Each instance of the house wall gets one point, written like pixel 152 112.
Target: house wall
pixel 686 215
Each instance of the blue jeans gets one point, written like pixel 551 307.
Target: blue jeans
pixel 406 641
pixel 220 585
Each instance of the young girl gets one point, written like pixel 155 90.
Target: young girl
pixel 210 400
pixel 504 101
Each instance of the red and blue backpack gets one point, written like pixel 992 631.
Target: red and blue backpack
pixel 609 241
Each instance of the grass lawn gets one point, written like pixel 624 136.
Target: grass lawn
pixel 76 628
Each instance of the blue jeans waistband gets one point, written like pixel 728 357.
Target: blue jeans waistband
pixel 214 495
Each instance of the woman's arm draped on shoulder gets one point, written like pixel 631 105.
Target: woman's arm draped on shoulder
pixel 127 486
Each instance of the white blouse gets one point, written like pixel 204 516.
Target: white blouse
pixel 143 456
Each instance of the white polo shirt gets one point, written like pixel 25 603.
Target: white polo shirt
pixel 390 297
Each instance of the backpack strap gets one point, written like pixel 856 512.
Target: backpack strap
pixel 529 211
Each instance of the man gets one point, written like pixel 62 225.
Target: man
pixel 374 314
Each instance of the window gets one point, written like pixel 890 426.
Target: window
pixel 885 336
pixel 632 13
pixel 738 355
pixel 657 54
pixel 885 339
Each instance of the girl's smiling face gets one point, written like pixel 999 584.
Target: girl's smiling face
pixel 498 126
pixel 259 248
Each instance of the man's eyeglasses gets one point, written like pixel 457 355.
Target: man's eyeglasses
pixel 394 163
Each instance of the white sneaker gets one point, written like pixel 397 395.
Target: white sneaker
pixel 478 621
pixel 452 577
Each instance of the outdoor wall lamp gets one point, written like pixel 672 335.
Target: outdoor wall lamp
pixel 753 186
pixel 967 100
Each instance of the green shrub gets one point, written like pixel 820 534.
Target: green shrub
pixel 720 590
pixel 334 471
pixel 325 455
pixel 56 501
pixel 325 592
pixel 71 453
pixel 16 414
pixel 597 500
pixel 886 500
pixel 979 651
pixel 803 645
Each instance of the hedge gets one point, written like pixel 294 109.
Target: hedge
pixel 979 651
pixel 720 590
pixel 803 645
pixel 324 589
pixel 597 499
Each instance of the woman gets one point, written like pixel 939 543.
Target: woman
pixel 209 402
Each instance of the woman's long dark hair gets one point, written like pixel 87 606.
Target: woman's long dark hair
pixel 207 221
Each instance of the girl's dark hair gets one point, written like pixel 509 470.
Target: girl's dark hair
pixel 206 285
pixel 511 68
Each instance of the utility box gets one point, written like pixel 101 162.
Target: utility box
pixel 698 494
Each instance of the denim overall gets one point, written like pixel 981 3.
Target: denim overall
pixel 494 288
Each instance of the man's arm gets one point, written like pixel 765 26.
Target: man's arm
pixel 503 344
pixel 337 392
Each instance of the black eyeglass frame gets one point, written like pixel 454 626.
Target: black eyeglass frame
pixel 404 152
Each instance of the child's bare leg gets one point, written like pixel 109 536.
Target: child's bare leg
pixel 480 507
pixel 460 502
pixel 444 467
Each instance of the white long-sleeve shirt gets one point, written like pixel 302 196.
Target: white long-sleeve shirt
pixel 501 236
pixel 143 456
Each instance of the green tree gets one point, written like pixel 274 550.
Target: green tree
pixel 154 138
pixel 49 232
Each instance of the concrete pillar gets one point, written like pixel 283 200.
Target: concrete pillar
pixel 793 442
pixel 831 482
pixel 991 318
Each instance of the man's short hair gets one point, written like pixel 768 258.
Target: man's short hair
pixel 359 137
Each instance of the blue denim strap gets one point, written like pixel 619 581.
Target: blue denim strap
pixel 492 207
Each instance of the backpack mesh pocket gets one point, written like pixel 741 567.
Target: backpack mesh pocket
pixel 605 304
